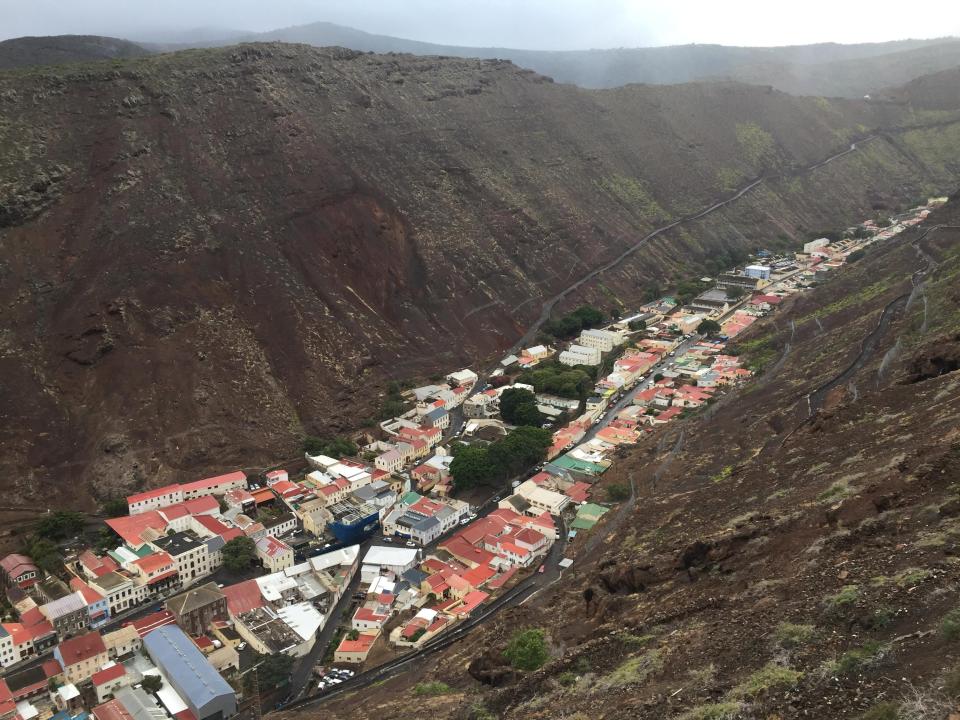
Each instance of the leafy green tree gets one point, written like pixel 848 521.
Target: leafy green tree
pixel 60 524
pixel 152 683
pixel 334 447
pixel 114 507
pixel 856 255
pixel 239 554
pixel 637 325
pixel 519 407
pixel 274 670
pixel 527 649
pixel 708 327
pixel 354 634
pixel 618 492
pixel 472 466
pixel 735 293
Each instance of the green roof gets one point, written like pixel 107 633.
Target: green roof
pixel 583 524
pixel 588 468
pixel 591 510
pixel 410 498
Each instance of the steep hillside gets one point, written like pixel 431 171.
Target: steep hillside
pixel 60 49
pixel 791 552
pixel 827 69
pixel 207 253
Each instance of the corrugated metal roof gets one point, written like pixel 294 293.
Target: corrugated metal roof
pixel 185 666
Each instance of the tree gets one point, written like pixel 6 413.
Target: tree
pixel 637 325
pixel 152 683
pixel 60 524
pixel 334 447
pixel 274 670
pixel 239 554
pixel 354 634
pixel 856 255
pixel 471 466
pixel 519 407
pixel 735 293
pixel 708 327
pixel 618 492
pixel 45 555
pixel 527 649
pixel 114 507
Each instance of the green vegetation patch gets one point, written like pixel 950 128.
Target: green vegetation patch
pixel 634 194
pixel 950 625
pixel 858 659
pixel 757 144
pixel 527 649
pixel 634 670
pixel 882 711
pixel 848 595
pixel 432 688
pixel 724 474
pixel 766 678
pixel 583 318
pixel 569 382
pixel 476 465
pixel 790 634
pixel 837 491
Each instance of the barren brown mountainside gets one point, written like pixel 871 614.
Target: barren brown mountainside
pixel 206 254
pixel 791 552
pixel 58 49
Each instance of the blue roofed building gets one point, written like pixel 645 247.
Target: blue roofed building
pixel 200 686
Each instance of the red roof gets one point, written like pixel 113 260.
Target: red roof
pixel 151 622
pixel 51 668
pixel 111 710
pixel 90 596
pixel 98 566
pixel 263 495
pixel 212 524
pixel 669 414
pixel 111 673
pixel 361 645
pixel 186 714
pixel 129 527
pixel 202 504
pixel 82 647
pixel 271 547
pixel 148 494
pixel 213 482
pixel 153 562
pixel 162 576
pixel 16 564
pixel 470 602
pixel 243 597
pixel 368 615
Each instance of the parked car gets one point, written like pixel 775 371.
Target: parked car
pixel 242 646
pixel 465 521
pixel 410 543
pixel 388 540
pixel 541 569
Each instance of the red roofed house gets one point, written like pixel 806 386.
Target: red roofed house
pixel 149 623
pixel 98 608
pixel 132 528
pixel 276 476
pixel 366 618
pixel 666 416
pixel 470 602
pixel 8 707
pixel 18 570
pixel 111 710
pixel 81 656
pixel 158 570
pixel 153 499
pixel 218 485
pixel 275 554
pixel 354 651
pixel 243 597
pixel 94 567
pixel 107 681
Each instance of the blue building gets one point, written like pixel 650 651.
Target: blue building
pixel 202 688
pixel 353 522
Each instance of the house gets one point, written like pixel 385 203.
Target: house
pixel 198 608
pixel 19 571
pixel 666 416
pixel 354 651
pixel 68 614
pixel 281 525
pixel 433 471
pixel 438 418
pixel 190 555
pixel 390 461
pixel 122 642
pixel 108 680
pixel 98 608
pixel 603 340
pixel 537 499
pixel 366 618
pixel 153 499
pixel 81 656
pixel 242 597
pixel 205 692
pixel 93 566
pixel 462 378
pixel 537 352
pixel 381 559
pixel 275 554
pixel 580 355
pixel 759 272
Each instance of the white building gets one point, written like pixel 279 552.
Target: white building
pixel 382 559
pixel 462 377
pixel 760 272
pixel 815 245
pixel 580 355
pixel 602 340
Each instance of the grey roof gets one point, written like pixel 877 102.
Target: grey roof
pixel 197 597
pixel 185 666
pixel 215 543
pixel 72 603
pixel 435 414
pixel 139 704
pixel 178 543
pixel 279 520
pixel 414 576
pixel 426 523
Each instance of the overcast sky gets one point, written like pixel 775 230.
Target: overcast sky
pixel 535 24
